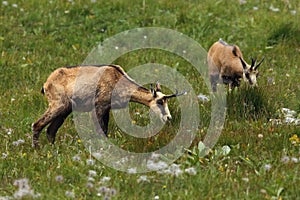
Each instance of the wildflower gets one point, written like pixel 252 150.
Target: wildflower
pixel 70 194
pixel 203 97
pixel 293 12
pixel 14 5
pixel 9 131
pixel 76 158
pixel 59 178
pixel 105 179
pixel 4 155
pixel 155 156
pixel 89 185
pixel 285 159
pixel 263 191
pixel 246 179
pixel 90 162
pixel 103 189
pixel 131 170
pixel 92 173
pixel 243 2
pixel 97 155
pixel 143 178
pixel 156 197
pixel 190 171
pixel 113 191
pixel 91 179
pixel 5 3
pixel 260 135
pixel 294 160
pixel 106 198
pixel 274 9
pixel 24 189
pixel 151 165
pixel 295 139
pixel 255 8
pixel 267 167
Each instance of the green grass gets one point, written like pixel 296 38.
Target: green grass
pixel 38 37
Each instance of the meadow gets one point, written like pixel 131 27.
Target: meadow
pixel 258 153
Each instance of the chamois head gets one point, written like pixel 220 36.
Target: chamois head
pixel 250 72
pixel 159 104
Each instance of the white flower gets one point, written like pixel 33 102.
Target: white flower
pixel 294 160
pixel 156 165
pixel 70 194
pixel 89 185
pixel 59 178
pixel 293 12
pixel 243 1
pixel 90 162
pixel 92 173
pixel 91 179
pixel 132 170
pixel 285 159
pixel 143 178
pixel 76 158
pixel 14 5
pixel 105 179
pixel 246 179
pixel 267 167
pixel 5 3
pixel 190 171
pixel 203 97
pixel 4 155
pixel 274 9
pixel 156 197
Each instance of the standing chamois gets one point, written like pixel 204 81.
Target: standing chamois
pixel 85 88
pixel 227 65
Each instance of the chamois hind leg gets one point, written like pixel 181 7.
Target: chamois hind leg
pixel 101 118
pixel 38 126
pixel 104 122
pixel 54 126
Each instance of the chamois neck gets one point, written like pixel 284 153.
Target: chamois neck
pixel 142 95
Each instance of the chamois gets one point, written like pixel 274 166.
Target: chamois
pixel 226 64
pixel 85 88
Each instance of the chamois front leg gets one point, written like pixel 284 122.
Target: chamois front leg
pixel 55 124
pixel 47 118
pixel 214 80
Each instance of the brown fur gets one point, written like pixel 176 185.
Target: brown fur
pixel 83 88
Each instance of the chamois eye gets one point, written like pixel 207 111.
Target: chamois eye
pixel 160 101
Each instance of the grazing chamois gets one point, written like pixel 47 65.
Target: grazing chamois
pixel 227 65
pixel 85 88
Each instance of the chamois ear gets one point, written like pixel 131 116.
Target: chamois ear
pixel 255 68
pixel 157 87
pixel 243 63
pixel 234 50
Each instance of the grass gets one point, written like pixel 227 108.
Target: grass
pixel 38 37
